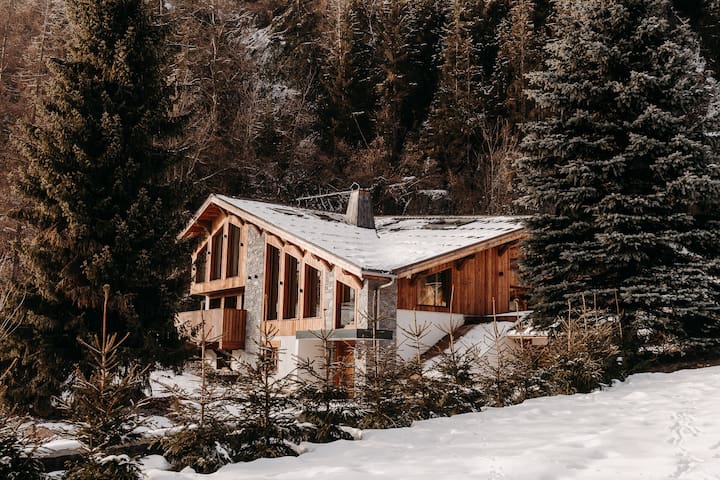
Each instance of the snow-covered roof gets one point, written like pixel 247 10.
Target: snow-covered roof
pixel 394 244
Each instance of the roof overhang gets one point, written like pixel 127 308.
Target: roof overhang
pixel 510 237
pixel 214 207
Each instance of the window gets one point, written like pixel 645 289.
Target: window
pixel 215 303
pixel 312 292
pixel 434 289
pixel 231 302
pixel 216 256
pixel 272 282
pixel 233 256
pixel 200 264
pixel 344 305
pixel 292 285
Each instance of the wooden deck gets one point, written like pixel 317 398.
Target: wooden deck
pixel 224 326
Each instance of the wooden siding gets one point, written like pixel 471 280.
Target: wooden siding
pixel 224 326
pixel 476 280
pixel 287 328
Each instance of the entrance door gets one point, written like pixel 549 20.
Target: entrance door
pixel 345 360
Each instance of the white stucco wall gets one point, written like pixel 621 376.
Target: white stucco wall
pixel 293 352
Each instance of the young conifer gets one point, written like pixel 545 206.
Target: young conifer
pixel 266 423
pixel 103 406
pixel 324 393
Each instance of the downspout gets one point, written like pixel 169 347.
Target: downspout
pixel 376 294
pixel 393 278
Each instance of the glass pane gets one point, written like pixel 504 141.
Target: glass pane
pixel 312 292
pixel 292 284
pixel 434 290
pixel 272 281
pixel 345 305
pixel 233 266
pixel 216 256
pixel 200 265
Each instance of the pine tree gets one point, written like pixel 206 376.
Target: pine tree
pixel 407 33
pixel 453 134
pixel 381 387
pixel 17 461
pixel 347 79
pixel 622 172
pixel 204 440
pixel 519 53
pixel 324 400
pixel 103 408
pixel 101 198
pixel 266 421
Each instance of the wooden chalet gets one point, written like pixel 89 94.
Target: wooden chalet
pixel 362 277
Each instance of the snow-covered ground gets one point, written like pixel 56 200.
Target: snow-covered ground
pixel 652 426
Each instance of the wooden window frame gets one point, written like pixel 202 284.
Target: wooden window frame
pixel 286 290
pixel 306 291
pixel 338 305
pixel 445 290
pixel 273 286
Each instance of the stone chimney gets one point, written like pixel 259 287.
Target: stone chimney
pixel 359 209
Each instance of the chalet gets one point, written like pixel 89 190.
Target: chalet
pixel 363 277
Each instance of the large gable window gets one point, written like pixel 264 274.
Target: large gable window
pixel 200 264
pixel 434 289
pixel 216 256
pixel 233 257
pixel 344 305
pixel 271 283
pixel 312 292
pixel 292 286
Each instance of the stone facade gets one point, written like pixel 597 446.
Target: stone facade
pixel 254 287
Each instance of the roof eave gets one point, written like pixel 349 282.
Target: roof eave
pixel 410 269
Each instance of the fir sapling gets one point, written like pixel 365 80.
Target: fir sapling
pixel 203 440
pixel 266 419
pixel 323 393
pixel 103 407
pixel 16 448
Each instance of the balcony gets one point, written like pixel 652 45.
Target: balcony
pixel 224 326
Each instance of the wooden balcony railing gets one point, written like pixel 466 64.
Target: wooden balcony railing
pixel 224 326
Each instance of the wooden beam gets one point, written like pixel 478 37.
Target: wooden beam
pixel 506 246
pixel 461 261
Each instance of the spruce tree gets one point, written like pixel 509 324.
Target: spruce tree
pixel 348 77
pixel 453 133
pixel 519 53
pixel 622 172
pixel 100 199
pixel 407 34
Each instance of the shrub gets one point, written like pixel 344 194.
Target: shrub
pixel 93 467
pixel 203 448
pixel 323 395
pixel 16 463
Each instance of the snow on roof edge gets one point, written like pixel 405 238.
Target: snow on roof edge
pixel 376 262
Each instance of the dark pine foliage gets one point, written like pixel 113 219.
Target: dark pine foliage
pixel 623 172
pixel 99 200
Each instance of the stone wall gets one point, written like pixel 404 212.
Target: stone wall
pixel 254 287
